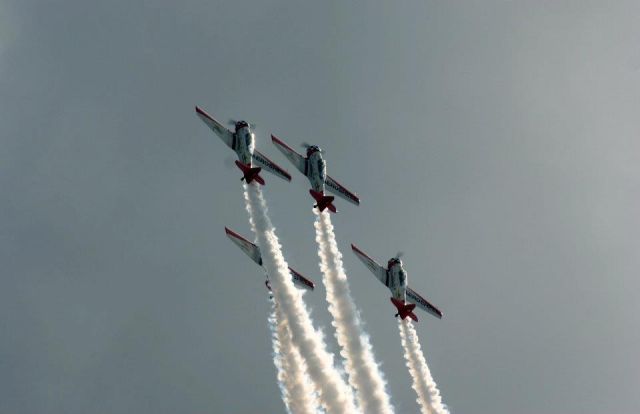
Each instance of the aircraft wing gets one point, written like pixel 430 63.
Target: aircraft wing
pixel 337 189
pixel 245 245
pixel 270 166
pixel 253 252
pixel 301 281
pixel 379 271
pixel 422 303
pixel 296 159
pixel 217 127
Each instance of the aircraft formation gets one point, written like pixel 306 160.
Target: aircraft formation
pixel 313 166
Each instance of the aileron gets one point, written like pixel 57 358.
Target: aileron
pixel 394 277
pixel 339 190
pixel 422 303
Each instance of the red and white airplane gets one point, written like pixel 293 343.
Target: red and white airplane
pixel 253 252
pixel 315 169
pixel 395 278
pixel 242 141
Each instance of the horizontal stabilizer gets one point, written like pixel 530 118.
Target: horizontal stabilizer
pixel 249 173
pixel 323 201
pixel 404 309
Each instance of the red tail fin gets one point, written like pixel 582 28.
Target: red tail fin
pixel 249 173
pixel 323 201
pixel 404 309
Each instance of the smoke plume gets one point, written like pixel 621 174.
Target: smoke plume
pixel 428 395
pixel 364 373
pixel 334 394
pixel 297 391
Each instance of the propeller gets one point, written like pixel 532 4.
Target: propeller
pixel 399 255
pixel 232 122
pixel 306 145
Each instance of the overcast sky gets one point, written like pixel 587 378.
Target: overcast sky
pixel 496 143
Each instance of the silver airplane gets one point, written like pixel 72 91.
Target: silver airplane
pixel 314 168
pixel 242 141
pixel 394 277
pixel 253 252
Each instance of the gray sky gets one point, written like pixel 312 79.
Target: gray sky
pixel 494 142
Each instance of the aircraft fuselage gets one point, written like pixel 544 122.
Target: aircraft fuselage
pixel 244 144
pixel 397 279
pixel 316 171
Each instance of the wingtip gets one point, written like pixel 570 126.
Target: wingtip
pixel 286 175
pixel 202 112
pixel 232 233
pixel 278 142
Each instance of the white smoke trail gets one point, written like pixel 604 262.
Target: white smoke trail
pixel 278 360
pixel 428 395
pixel 297 392
pixel 364 373
pixel 333 393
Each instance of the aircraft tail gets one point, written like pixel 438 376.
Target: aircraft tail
pixel 404 309
pixel 250 174
pixel 323 201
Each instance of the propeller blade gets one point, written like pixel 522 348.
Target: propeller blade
pixel 306 145
pixel 399 255
pixel 232 122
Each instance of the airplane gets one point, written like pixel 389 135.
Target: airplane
pixel 253 252
pixel 242 141
pixel 315 169
pixel 395 278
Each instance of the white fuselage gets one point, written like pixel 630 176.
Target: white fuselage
pixel 316 171
pixel 244 144
pixel 397 279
